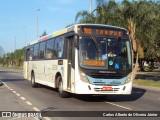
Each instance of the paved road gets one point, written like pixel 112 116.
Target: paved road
pixel 17 94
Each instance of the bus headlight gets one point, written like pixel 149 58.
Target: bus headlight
pixel 83 77
pixel 129 78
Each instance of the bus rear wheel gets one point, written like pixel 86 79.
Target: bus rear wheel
pixel 33 83
pixel 62 93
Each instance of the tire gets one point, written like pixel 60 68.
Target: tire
pixel 33 83
pixel 61 92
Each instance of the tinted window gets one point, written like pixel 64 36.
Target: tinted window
pixel 42 50
pixel 59 46
pixel 31 53
pixel 36 49
pixel 25 54
pixel 50 51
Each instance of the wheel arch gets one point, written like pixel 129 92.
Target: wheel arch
pixel 57 80
pixel 32 71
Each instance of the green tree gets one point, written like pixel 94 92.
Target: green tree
pixel 18 57
pixel 44 33
pixel 85 17
pixel 106 12
pixel 13 59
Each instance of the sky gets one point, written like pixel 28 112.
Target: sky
pixel 18 17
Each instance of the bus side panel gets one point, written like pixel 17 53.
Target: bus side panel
pixel 29 70
pixel 51 67
pixel 64 73
pixel 25 67
pixel 39 70
pixel 45 72
pixel 72 80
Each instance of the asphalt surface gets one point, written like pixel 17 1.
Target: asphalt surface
pixel 16 94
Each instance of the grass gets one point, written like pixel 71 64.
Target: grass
pixel 150 83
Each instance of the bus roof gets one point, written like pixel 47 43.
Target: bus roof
pixel 69 29
pixel 98 25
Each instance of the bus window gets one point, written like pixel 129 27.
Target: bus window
pixel 59 46
pixel 50 52
pixel 42 50
pixel 27 54
pixel 31 53
pixel 36 51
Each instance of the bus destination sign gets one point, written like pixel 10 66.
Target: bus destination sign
pixel 102 31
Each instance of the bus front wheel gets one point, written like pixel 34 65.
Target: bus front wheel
pixel 62 93
pixel 33 83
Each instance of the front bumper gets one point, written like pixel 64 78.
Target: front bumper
pixel 86 88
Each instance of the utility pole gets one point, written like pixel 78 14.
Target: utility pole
pixel 90 6
pixel 37 10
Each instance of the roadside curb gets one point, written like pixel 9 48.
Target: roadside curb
pixel 147 87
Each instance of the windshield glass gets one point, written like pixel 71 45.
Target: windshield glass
pixel 105 53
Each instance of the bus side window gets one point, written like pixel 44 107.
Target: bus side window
pixel 31 53
pixel 36 51
pixel 27 52
pixel 42 50
pixel 59 46
pixel 50 52
pixel 56 46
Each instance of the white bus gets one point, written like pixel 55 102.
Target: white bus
pixel 82 59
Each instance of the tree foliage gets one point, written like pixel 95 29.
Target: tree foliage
pixel 141 18
pixel 44 34
pixel 13 59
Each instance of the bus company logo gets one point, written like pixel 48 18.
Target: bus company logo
pixel 6 114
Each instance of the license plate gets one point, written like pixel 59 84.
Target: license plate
pixel 107 88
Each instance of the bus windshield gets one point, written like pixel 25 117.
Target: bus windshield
pixel 105 53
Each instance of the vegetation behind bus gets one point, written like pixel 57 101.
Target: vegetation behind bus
pixel 15 59
pixel 141 18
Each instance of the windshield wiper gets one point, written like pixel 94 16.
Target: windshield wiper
pixel 97 46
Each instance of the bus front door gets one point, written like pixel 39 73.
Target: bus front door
pixel 71 59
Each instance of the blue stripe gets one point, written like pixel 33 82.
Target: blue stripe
pixel 107 81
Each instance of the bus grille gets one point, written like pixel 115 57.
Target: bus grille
pixel 102 76
pixel 105 84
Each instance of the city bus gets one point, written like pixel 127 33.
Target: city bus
pixel 93 59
